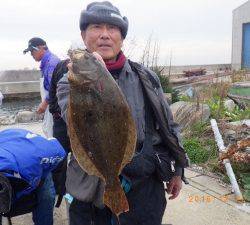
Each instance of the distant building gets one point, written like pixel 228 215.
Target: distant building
pixel 241 37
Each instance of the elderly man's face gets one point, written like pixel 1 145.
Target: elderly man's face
pixel 104 39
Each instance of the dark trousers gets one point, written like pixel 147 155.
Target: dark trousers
pixel 147 205
pixel 82 213
pixel 60 133
pixel 59 174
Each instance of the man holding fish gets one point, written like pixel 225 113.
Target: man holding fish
pixel 120 127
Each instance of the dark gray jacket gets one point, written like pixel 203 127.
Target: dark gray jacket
pixel 89 188
pixel 168 128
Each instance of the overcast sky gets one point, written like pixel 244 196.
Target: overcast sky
pixel 196 31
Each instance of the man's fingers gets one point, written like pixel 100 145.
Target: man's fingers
pixel 40 110
pixel 170 188
pixel 174 187
pixel 99 58
pixel 175 193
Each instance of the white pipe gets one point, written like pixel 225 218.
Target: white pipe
pixel 233 180
pixel 226 162
pixel 217 135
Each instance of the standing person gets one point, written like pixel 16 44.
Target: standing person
pixel 59 129
pixel 41 53
pixel 26 162
pixel 159 156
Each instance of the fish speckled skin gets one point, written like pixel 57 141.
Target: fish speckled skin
pixel 101 128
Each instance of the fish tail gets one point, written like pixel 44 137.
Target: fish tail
pixel 115 198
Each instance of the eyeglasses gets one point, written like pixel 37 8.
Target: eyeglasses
pixel 34 48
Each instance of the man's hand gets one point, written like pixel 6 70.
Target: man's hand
pixel 99 58
pixel 42 107
pixel 174 187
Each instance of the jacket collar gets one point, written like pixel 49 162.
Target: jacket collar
pixel 45 58
pixel 127 68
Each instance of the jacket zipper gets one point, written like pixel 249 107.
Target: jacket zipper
pixel 172 166
pixel 172 162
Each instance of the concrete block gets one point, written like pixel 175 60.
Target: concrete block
pixel 211 184
pixel 227 198
pixel 28 116
pixel 190 173
pixel 10 88
pixel 196 185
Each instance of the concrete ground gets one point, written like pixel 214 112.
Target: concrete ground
pixel 203 202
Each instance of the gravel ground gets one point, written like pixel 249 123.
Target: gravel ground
pixel 12 107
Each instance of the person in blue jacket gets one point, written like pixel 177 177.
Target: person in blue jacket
pixel 41 53
pixel 26 162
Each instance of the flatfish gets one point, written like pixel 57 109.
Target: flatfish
pixel 101 128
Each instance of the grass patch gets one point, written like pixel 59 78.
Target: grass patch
pixel 198 144
pixel 218 111
pixel 196 153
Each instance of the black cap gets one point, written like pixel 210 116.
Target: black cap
pixel 103 12
pixel 5 194
pixel 33 43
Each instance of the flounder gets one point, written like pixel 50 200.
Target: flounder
pixel 101 128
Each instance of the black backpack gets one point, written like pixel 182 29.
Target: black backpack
pixel 25 204
pixel 60 69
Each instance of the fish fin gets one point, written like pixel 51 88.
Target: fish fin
pixel 131 143
pixel 115 198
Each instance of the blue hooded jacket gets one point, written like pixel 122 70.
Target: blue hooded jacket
pixel 28 156
pixel 47 66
